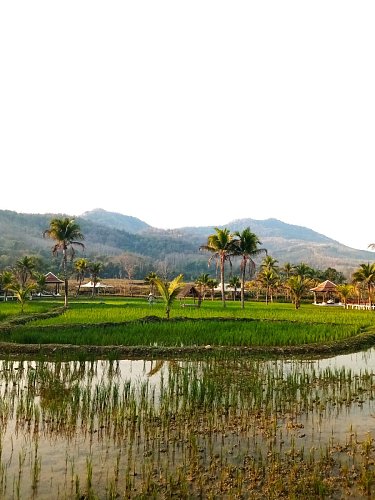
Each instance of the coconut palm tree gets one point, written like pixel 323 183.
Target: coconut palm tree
pixel 81 268
pixel 150 280
pixel 366 274
pixel 40 282
pixel 270 263
pixel 246 245
pixel 169 291
pixel 345 291
pixel 211 285
pixel 221 246
pixel 298 286
pixel 269 276
pixel 6 278
pixel 269 280
pixel 66 233
pixel 22 292
pixel 203 282
pixel 287 270
pixel 303 270
pixel 285 273
pixel 94 269
pixel 234 283
pixel 24 269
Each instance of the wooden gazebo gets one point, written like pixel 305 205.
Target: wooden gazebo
pixel 51 279
pixel 326 288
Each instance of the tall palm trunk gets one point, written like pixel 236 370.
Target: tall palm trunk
pixel 222 263
pixel 243 273
pixel 369 290
pixel 65 272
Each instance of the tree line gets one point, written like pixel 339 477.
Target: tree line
pixel 224 248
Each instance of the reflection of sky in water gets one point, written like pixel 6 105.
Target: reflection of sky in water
pixel 356 362
pixel 332 422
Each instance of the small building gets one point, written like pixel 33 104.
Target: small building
pixel 51 279
pixel 190 291
pixel 326 288
pixel 99 287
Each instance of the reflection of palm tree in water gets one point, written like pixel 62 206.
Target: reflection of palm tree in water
pixel 172 365
pixel 55 383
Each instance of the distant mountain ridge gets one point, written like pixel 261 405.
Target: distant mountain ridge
pixel 108 235
pixel 116 220
pixel 285 242
pixel 262 228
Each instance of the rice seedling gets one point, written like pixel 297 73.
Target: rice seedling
pixel 212 427
pixel 224 425
pixel 127 322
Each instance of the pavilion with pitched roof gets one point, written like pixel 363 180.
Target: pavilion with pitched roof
pixel 326 288
pixel 51 279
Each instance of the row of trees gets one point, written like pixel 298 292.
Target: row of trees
pixel 296 280
pixel 224 246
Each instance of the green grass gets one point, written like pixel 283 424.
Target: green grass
pixel 115 321
pixel 186 333
pixel 12 309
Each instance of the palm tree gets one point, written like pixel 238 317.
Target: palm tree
pixel 288 269
pixel 94 268
pixel 6 278
pixel 246 246
pixel 169 291
pixel 366 274
pixel 221 246
pixel 25 268
pixel 269 275
pixel 303 270
pixel 21 292
pixel 203 282
pixel 150 279
pixel 298 286
pixel 345 291
pixel 81 268
pixel 40 282
pixel 234 283
pixel 211 285
pixel 66 233
pixel 286 272
pixel 269 279
pixel 270 263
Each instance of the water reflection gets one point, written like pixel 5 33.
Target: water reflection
pixel 128 427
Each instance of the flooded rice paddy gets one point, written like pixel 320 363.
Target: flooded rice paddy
pixel 219 427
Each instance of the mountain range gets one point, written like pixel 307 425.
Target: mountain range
pixel 109 236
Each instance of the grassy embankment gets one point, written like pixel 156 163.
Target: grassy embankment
pixel 131 322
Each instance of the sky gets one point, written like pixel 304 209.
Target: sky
pixel 191 113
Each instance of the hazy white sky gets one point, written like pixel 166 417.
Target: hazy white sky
pixel 191 113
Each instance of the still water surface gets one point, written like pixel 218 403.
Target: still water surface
pixel 103 428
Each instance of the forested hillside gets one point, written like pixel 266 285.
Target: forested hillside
pixel 128 246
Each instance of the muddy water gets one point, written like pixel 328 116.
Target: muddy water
pixel 105 428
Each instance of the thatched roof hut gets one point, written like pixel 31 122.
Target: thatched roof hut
pixel 190 291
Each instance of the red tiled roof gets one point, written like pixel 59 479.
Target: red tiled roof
pixel 326 286
pixel 51 278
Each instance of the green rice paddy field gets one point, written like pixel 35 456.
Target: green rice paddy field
pixel 181 420
pixel 132 322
